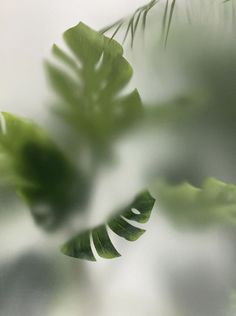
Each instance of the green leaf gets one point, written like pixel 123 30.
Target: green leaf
pixel 79 247
pixel 90 83
pixel 14 134
pixel 103 244
pixel 139 211
pixel 124 229
pixel 189 206
pixel 40 172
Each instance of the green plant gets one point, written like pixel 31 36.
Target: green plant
pixel 90 101
pixel 89 82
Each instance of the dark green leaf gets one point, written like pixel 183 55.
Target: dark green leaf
pixel 124 229
pixel 40 172
pixel 103 244
pixel 143 206
pixel 80 247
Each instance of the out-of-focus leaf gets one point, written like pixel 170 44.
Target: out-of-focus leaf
pixel 139 211
pixel 14 134
pixel 42 175
pixel 90 85
pixel 189 206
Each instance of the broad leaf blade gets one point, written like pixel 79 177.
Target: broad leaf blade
pixel 103 244
pixel 78 248
pixel 90 84
pixel 143 206
pixel 124 229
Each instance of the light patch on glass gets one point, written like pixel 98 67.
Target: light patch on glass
pixel 3 126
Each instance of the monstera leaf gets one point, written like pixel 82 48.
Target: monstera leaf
pixel 139 211
pixel 189 206
pixel 40 172
pixel 90 83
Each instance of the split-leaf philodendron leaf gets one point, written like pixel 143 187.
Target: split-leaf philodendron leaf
pixel 90 83
pixel 139 211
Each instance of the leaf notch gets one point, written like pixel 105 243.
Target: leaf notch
pixel 138 211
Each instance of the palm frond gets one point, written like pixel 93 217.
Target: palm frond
pixel 163 31
pixel 172 7
pixel 132 22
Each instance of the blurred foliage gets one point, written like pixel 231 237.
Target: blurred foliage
pixel 92 100
pixel 91 80
pixel 40 172
pixel 192 207
pixel 139 211
pixel 91 88
pixel 201 125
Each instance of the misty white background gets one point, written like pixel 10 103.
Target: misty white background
pixel 149 278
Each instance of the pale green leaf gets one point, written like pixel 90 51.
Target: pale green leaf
pixel 212 204
pixel 90 84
